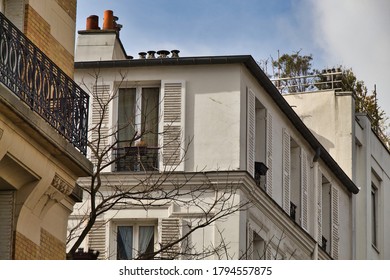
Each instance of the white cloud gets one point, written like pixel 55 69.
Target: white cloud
pixel 356 34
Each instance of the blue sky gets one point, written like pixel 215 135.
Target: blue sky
pixel 352 33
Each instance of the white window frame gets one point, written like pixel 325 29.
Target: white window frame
pixel 135 225
pixel 138 99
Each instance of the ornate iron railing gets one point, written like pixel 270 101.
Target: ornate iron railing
pixel 42 85
pixel 136 159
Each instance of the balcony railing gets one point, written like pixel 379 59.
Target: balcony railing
pixel 42 85
pixel 136 159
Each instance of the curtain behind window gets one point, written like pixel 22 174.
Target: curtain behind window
pixel 126 116
pixel 124 249
pixel 149 122
pixel 146 240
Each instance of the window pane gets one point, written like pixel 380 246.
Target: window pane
pixel 146 241
pixel 149 122
pixel 126 116
pixel 124 250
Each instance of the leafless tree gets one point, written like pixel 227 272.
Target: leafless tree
pixel 211 199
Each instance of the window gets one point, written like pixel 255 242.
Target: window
pixel 374 215
pixel 134 241
pixel 326 214
pixel 138 116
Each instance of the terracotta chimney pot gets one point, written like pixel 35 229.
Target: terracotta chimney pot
pixel 92 22
pixel 108 20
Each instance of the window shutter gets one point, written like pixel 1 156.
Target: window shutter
pixel 249 245
pixel 172 126
pixel 97 238
pixel 269 255
pixel 251 122
pixel 100 119
pixel 335 223
pixel 6 224
pixel 286 171
pixel 269 154
pixel 304 190
pixel 170 232
pixel 319 208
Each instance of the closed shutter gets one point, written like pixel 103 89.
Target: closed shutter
pixel 319 208
pixel 249 245
pixel 100 120
pixel 14 10
pixel 251 122
pixel 97 238
pixel 170 233
pixel 6 224
pixel 269 255
pixel 269 154
pixel 304 190
pixel 172 126
pixel 335 223
pixel 286 171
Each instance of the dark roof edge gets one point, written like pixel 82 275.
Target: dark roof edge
pixel 270 88
pixel 261 77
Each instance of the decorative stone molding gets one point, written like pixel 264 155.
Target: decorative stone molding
pixel 61 185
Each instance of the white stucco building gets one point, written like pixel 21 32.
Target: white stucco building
pixel 352 142
pixel 219 119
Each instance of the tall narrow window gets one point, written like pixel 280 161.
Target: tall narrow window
pixel 374 215
pixel 137 148
pixel 326 214
pixel 138 116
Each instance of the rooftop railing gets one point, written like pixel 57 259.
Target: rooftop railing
pixel 330 79
pixel 43 86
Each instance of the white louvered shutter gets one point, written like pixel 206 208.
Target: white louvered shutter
pixel 269 154
pixel 97 239
pixel 6 224
pixel 251 122
pixel 100 119
pixel 286 171
pixel 169 233
pixel 172 141
pixel 304 190
pixel 319 208
pixel 335 223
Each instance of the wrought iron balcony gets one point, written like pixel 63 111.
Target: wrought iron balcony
pixel 43 86
pixel 136 159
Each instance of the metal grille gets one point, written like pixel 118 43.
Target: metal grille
pixel 137 159
pixel 42 85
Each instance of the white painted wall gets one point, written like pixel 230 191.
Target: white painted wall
pixel 216 123
pixel 358 150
